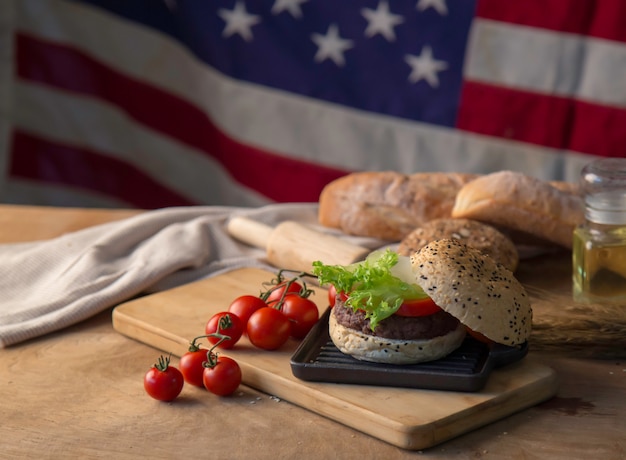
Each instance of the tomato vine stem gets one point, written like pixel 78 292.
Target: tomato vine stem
pixel 211 355
pixel 279 282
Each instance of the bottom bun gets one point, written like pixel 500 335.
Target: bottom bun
pixel 382 350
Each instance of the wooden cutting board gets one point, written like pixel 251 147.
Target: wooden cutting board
pixel 408 418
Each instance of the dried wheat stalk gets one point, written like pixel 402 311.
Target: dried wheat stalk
pixel 592 330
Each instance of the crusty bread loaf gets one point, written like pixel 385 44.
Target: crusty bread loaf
pixel 567 187
pixel 522 204
pixel 472 287
pixel 388 205
pixel 476 234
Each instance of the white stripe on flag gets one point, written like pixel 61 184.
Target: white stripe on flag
pixel 103 128
pixel 542 61
pixel 604 73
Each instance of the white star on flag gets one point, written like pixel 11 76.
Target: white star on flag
pixel 439 6
pixel 424 67
pixel 238 21
pixel 331 46
pixel 381 21
pixel 293 6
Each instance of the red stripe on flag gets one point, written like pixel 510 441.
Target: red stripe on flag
pixel 50 162
pixel 515 115
pixel 279 178
pixel 549 121
pixel 596 18
pixel 589 120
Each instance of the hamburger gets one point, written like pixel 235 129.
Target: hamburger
pixel 411 309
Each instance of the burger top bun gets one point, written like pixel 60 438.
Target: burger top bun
pixel 471 286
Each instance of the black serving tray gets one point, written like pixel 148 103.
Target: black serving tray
pixel 465 369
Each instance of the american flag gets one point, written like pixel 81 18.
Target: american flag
pixel 152 103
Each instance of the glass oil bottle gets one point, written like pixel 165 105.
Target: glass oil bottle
pixel 599 248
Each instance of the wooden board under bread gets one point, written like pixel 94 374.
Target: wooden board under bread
pixel 408 418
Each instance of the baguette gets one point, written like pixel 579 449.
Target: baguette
pixel 388 205
pixel 522 205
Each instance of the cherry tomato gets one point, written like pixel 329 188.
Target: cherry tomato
pixel 191 365
pixel 420 307
pixel 268 328
pixel 228 324
pixel 223 378
pixel 243 306
pixel 302 313
pixel 277 292
pixel 163 382
pixel 332 295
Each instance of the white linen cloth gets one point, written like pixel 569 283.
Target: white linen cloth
pixel 48 285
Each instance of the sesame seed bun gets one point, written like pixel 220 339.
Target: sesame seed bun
pixel 482 294
pixel 471 232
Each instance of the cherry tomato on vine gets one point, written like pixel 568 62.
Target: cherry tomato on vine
pixel 243 306
pixel 163 382
pixel 278 290
pixel 268 328
pixel 223 378
pixel 301 312
pixel 225 323
pixel 191 365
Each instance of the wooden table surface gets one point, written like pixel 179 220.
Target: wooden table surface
pixel 78 393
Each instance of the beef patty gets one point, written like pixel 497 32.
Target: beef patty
pixel 397 327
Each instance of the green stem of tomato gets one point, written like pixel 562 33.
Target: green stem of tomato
pixel 211 356
pixel 305 292
pixel 211 359
pixel 224 323
pixel 163 363
pixel 193 346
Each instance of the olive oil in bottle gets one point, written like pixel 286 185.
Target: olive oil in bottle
pixel 599 248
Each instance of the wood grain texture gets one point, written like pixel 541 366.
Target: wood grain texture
pixel 78 394
pixel 31 223
pixel 170 320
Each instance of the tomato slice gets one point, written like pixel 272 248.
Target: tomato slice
pixel 478 336
pixel 419 307
pixel 332 295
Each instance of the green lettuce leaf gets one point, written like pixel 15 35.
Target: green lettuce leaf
pixel 370 285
